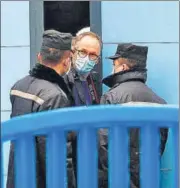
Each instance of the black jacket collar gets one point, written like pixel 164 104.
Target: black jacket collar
pixel 137 74
pixel 42 72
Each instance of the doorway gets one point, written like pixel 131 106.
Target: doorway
pixel 66 16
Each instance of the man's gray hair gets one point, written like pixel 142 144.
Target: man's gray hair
pixel 83 30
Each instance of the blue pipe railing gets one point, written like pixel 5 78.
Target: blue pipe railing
pixel 118 119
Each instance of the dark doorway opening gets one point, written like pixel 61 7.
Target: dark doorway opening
pixel 66 16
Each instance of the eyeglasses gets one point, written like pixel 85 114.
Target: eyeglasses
pixel 83 54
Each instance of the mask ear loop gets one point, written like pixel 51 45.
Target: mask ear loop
pixel 113 70
pixel 69 63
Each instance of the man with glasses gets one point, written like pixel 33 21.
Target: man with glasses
pixel 84 82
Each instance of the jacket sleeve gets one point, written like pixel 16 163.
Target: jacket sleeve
pixel 53 103
pixel 109 98
pixel 57 101
pixel 113 98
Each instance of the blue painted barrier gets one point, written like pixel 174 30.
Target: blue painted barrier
pixel 118 119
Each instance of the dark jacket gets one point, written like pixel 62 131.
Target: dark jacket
pixel 43 89
pixel 129 86
pixel 85 93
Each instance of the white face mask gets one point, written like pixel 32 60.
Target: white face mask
pixel 115 68
pixel 84 65
pixel 68 68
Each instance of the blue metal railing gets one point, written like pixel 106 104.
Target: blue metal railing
pixel 118 119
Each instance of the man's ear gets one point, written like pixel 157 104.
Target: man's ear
pixel 125 67
pixel 66 63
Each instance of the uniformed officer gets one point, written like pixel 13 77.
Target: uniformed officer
pixel 128 84
pixel 43 89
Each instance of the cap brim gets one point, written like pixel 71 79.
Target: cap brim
pixel 113 57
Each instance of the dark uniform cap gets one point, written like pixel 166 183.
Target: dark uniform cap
pixel 57 40
pixel 132 52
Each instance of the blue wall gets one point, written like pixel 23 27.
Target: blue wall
pixel 155 24
pixel 15 54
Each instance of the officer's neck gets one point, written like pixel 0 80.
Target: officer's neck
pixel 56 67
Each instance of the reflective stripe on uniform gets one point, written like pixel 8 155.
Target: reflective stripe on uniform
pixel 142 103
pixel 27 96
